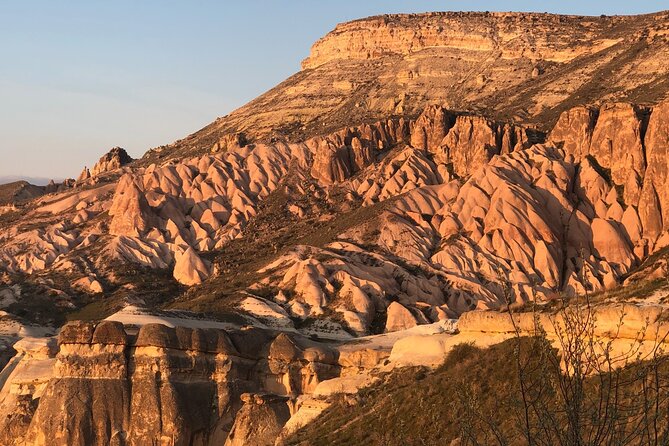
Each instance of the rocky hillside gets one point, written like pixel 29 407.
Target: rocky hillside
pixel 17 192
pixel 470 399
pixel 419 167
pixel 520 67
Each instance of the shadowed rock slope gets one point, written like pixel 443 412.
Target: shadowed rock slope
pixel 182 384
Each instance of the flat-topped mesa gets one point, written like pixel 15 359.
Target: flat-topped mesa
pixel 513 67
pixel 551 37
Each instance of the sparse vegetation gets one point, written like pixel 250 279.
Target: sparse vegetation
pixel 574 389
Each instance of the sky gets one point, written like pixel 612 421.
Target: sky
pixel 81 76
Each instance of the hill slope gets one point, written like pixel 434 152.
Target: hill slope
pixel 520 67
pixel 419 167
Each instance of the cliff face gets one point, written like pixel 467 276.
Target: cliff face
pixel 174 385
pixel 515 67
pixel 513 35
pixel 351 200
pixel 628 142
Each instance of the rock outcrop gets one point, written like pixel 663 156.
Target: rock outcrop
pixel 341 154
pixel 613 136
pixel 399 318
pixel 259 421
pixel 84 176
pixel 116 158
pixel 404 34
pixel 654 200
pixel 190 269
pixel 185 385
pixel 539 215
pixel 626 143
pixel 130 210
pixel 465 143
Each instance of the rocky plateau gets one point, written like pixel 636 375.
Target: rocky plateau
pixel 419 180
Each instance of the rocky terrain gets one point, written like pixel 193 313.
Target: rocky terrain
pixel 419 169
pixel 521 67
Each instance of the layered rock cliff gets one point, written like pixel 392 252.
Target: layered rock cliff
pixel 161 386
pixel 419 167
pixel 525 67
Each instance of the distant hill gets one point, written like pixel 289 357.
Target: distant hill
pixel 18 191
pixel 37 181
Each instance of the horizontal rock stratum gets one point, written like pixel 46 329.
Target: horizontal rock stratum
pixel 418 169
pixel 534 36
pixel 525 67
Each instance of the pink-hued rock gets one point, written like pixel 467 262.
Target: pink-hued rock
pixel 110 161
pixel 399 318
pixel 654 201
pixel 609 244
pixel 190 269
pixel 130 211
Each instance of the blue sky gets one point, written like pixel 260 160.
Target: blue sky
pixel 79 77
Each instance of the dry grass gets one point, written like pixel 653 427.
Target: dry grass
pixel 475 395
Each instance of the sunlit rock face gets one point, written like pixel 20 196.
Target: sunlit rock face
pixel 626 143
pixel 111 161
pixel 417 168
pixel 410 33
pixel 512 67
pixel 463 202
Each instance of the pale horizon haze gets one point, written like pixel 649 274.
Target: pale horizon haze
pixel 80 77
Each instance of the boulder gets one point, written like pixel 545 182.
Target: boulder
pixel 157 335
pixel 110 333
pixel 259 421
pixel 76 332
pixel 609 244
pixel 89 284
